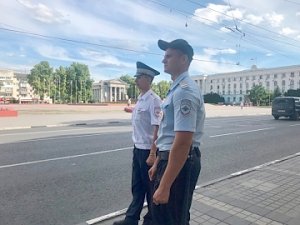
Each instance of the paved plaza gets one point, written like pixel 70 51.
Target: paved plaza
pixel 265 195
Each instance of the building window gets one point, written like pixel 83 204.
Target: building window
pixel 211 87
pixel 292 74
pixel 229 79
pixel 275 83
pixel 247 78
pixel 283 82
pixel 234 79
pixel 283 75
pixel 260 77
pixel 241 85
pixel 253 77
pixel 268 84
pixel 234 86
pixel 275 75
pixel 241 92
pixel 268 76
pixel 211 81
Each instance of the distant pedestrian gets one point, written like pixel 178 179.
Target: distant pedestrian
pixel 177 167
pixel 129 102
pixel 145 122
pixel 242 104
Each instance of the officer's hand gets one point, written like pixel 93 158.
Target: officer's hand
pixel 161 196
pixel 128 109
pixel 151 159
pixel 152 172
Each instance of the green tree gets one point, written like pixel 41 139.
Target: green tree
pixel 78 83
pixel 258 95
pixel 59 90
pixel 276 92
pixel 40 77
pixel 213 98
pixel 131 90
pixel 161 88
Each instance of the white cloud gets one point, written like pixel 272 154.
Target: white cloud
pixel 274 19
pixel 52 52
pixel 269 54
pixel 104 60
pixel 211 14
pixel 43 13
pixel 288 31
pixel 213 52
pixel 207 66
pixel 298 14
pixel 253 19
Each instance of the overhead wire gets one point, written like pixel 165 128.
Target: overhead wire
pixel 242 21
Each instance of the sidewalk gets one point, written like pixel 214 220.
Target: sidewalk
pixel 264 195
pixel 39 115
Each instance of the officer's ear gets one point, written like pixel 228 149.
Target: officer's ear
pixel 185 59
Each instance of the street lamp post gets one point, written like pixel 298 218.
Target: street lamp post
pixel 71 91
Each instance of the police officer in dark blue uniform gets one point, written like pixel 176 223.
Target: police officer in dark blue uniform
pixel 146 117
pixel 176 170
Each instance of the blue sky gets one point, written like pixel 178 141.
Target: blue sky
pixel 111 35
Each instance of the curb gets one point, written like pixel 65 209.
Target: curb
pixel 233 175
pixel 63 125
pixel 36 126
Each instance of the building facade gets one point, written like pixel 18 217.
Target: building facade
pixel 234 86
pixel 14 86
pixel 110 91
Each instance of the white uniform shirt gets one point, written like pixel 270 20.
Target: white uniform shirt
pixel 145 115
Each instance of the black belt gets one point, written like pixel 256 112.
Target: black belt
pixel 164 155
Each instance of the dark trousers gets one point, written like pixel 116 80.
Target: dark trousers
pixel 140 186
pixel 177 210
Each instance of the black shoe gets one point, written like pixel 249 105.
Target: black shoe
pixel 125 222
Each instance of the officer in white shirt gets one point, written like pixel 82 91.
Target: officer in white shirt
pixel 176 170
pixel 146 117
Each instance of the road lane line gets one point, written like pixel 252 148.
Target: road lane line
pixel 241 132
pixel 293 125
pixel 103 129
pixel 65 157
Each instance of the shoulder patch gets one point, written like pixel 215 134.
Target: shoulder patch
pixel 185 106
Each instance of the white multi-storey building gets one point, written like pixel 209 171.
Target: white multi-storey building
pixel 233 86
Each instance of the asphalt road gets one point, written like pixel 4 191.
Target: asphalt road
pixel 68 175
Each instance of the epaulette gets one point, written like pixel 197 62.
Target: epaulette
pixel 183 84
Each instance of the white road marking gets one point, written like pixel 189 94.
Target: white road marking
pixel 58 131
pixel 293 125
pixel 241 132
pixel 65 157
